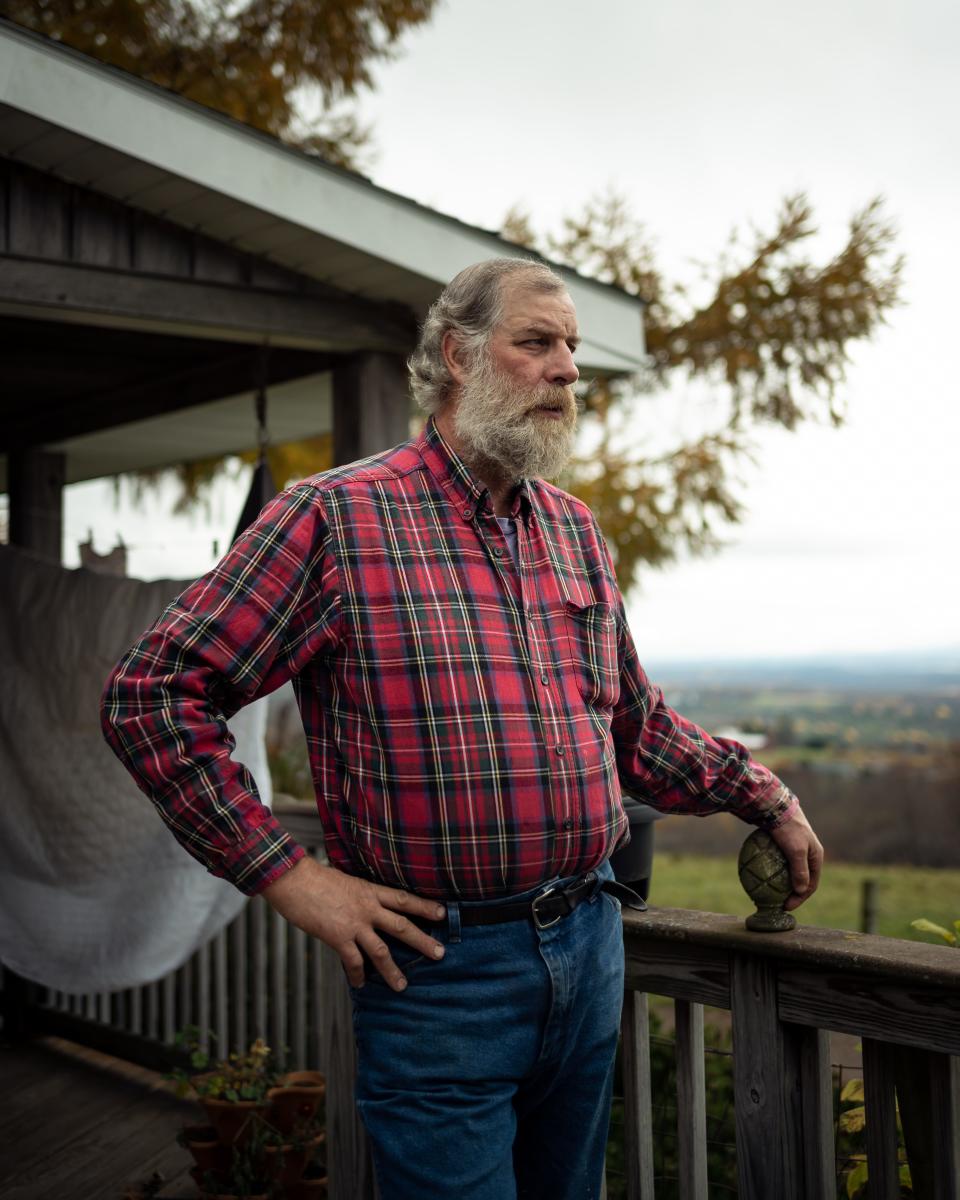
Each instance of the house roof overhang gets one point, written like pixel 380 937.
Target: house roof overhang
pixel 66 114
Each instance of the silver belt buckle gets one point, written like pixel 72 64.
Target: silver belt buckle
pixel 547 891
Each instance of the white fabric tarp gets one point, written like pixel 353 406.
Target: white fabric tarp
pixel 95 893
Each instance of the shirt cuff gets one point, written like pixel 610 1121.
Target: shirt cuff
pixel 261 858
pixel 776 810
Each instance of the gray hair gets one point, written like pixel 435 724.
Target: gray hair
pixel 471 305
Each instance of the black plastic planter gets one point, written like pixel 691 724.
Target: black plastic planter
pixel 633 864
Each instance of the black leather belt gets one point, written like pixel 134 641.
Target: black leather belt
pixel 551 905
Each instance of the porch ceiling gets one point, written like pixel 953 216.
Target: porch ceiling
pixel 183 398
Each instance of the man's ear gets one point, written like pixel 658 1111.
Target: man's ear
pixel 454 355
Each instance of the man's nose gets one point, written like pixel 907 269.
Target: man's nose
pixel 562 368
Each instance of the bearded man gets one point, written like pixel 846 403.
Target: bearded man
pixel 473 703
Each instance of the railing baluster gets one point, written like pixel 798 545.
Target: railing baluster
pixel 765 1143
pixel 298 998
pixel 945 1089
pixel 258 915
pixel 928 1091
pixel 316 1011
pixel 185 995
pixel 637 1108
pixel 879 1083
pixel 168 993
pixel 135 1010
pixel 219 1013
pixel 278 986
pixel 152 1007
pixel 351 1172
pixel 238 977
pixel 808 1092
pixel 691 1101
pixel 202 960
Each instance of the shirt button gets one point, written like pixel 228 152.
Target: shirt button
pixel 543 679
pixel 568 823
pixel 467 514
pixel 559 749
pixel 498 552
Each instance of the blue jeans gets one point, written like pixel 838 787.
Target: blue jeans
pixel 490 1076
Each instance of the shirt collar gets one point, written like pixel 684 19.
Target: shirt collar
pixel 468 495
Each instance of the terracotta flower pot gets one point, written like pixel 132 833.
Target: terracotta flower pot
pixel 304 1079
pixel 296 1100
pixel 229 1117
pixel 286 1164
pixel 234 1120
pixel 312 1186
pixel 204 1145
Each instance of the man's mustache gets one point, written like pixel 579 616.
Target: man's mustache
pixel 558 397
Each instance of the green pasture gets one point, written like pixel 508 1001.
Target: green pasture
pixel 903 893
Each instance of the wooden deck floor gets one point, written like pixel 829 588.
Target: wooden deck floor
pixel 78 1125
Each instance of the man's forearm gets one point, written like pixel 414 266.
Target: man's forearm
pixel 237 633
pixel 178 752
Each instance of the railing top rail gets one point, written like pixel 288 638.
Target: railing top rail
pixel 895 959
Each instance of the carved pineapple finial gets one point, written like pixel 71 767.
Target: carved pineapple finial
pixel 765 876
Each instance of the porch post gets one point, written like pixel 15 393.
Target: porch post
pixel 35 478
pixel 371 406
pixel 371 412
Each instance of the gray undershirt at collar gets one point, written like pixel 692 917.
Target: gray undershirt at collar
pixel 509 527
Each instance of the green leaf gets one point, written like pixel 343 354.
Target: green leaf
pixel 925 926
pixel 199 1059
pixel 856 1180
pixel 853 1090
pixel 853 1120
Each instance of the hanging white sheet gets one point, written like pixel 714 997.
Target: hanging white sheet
pixel 95 893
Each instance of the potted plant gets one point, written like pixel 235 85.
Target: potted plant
pixel 244 1178
pixel 228 1185
pixel 232 1090
pixel 263 1126
pixel 285 1155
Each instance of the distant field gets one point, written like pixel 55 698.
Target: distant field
pixel 903 893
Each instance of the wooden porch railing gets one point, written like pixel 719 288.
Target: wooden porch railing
pixel 784 991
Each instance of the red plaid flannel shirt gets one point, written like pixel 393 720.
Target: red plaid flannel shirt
pixel 469 725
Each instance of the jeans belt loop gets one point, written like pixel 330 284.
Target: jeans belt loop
pixel 453 920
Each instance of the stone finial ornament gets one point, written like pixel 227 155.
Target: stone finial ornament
pixel 765 876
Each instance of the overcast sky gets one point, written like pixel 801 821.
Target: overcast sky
pixel 705 115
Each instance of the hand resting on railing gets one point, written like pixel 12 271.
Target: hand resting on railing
pixel 804 854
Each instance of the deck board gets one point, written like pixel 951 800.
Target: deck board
pixel 82 1125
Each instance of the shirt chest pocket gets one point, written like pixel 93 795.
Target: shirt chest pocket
pixel 591 632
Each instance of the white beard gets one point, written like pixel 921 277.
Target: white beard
pixel 497 425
